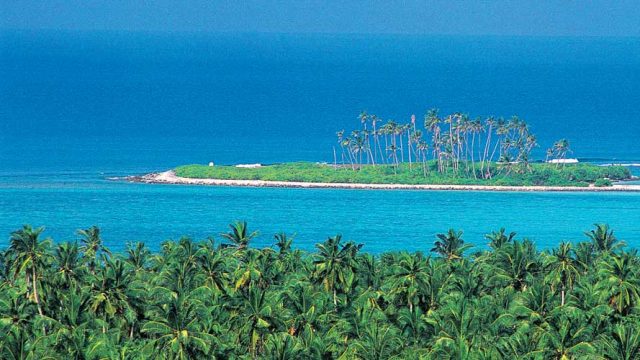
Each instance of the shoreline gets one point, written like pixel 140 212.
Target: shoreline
pixel 170 178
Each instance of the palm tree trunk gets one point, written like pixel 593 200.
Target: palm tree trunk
pixel 29 284
pixel 384 159
pixel 473 162
pixel 335 159
pixel 491 158
pixel 451 140
pixel 487 145
pixel 401 149
pixel 409 146
pixel 350 153
pixel 424 163
pixel 386 145
pixel 34 278
pixel 373 161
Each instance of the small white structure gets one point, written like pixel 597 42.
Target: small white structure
pixel 249 166
pixel 211 164
pixel 563 161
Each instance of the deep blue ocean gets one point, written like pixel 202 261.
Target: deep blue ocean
pixel 77 108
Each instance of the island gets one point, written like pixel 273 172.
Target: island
pixel 544 177
pixel 452 152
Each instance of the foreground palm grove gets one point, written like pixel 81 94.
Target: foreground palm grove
pixel 459 145
pixel 202 300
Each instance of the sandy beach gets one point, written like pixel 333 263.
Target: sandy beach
pixel 169 177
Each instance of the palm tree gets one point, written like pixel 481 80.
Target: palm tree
pixel 560 149
pixel 400 129
pixel 450 246
pixel 283 242
pixel 567 339
pixel 498 239
pixel 346 143
pixel 114 297
pixel 520 345
pixel 452 140
pixel 458 327
pixel 29 255
pixel 393 154
pixel 549 154
pixel 437 285
pixel 138 255
pixel 475 127
pixel 376 141
pixel 17 318
pixel 490 122
pixel 502 129
pixel 621 281
pixel 423 149
pixel 516 265
pixel 307 307
pixel 71 335
pixel 239 235
pixel 216 266
pixel 586 256
pixel 176 329
pixel 257 318
pixel 408 274
pixel 624 343
pixel 603 239
pixel 251 273
pixel 358 146
pixel 378 342
pixel 333 262
pixel 432 124
pixel 366 145
pixel 67 260
pixel 562 268
pixel 92 246
pixel 412 325
pixel 282 347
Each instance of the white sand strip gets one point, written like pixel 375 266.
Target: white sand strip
pixel 169 177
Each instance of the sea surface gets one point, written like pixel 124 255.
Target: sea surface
pixel 79 107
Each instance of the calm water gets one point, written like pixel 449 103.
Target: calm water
pixel 78 107
pixel 383 220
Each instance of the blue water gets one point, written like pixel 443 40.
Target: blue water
pixel 76 108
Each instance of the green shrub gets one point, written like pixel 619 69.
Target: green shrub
pixel 603 183
pixel 535 174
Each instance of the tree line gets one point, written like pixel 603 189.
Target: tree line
pixel 227 300
pixel 458 144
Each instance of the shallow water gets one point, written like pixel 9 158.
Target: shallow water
pixel 382 220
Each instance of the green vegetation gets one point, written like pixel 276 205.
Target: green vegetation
pixel 449 150
pixel 203 300
pixel 603 182
pixel 539 174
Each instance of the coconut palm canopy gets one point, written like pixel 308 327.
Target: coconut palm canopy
pixel 201 300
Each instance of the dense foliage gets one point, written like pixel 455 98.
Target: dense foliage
pixel 539 174
pixel 205 300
